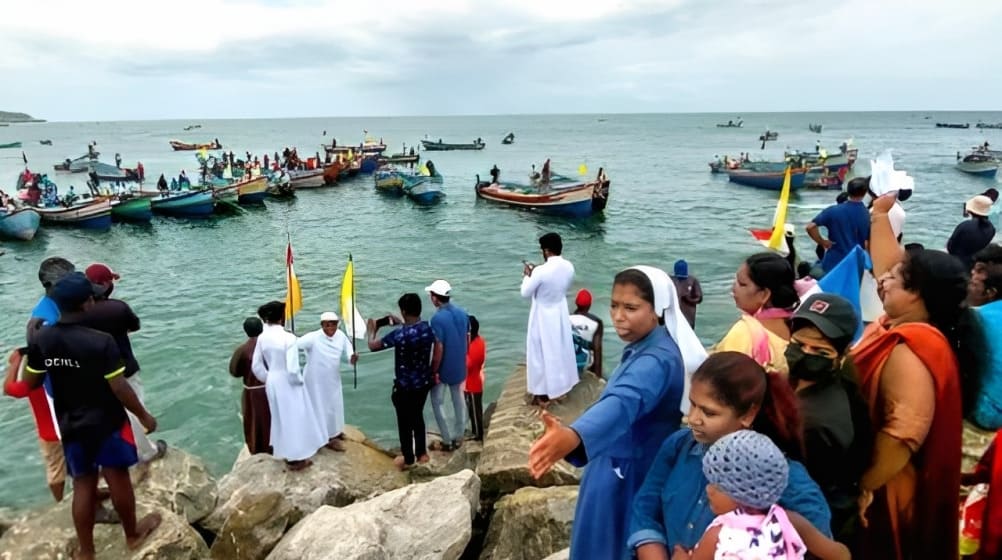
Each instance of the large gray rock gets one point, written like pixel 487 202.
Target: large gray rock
pixel 335 479
pixel 50 536
pixel 564 554
pixel 531 523
pixel 179 482
pixel 429 521
pixel 444 464
pixel 254 528
pixel 504 463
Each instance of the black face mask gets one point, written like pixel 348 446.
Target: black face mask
pixel 809 367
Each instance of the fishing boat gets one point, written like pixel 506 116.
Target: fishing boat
pixel 953 125
pixel 770 180
pixel 769 135
pixel 77 165
pixel 563 197
pixel 87 213
pixel 307 178
pixel 422 189
pixel 180 146
pixel 821 159
pixel 20 224
pixel 184 203
pixel 510 139
pixel 732 124
pixel 45 142
pixel 389 180
pixel 131 208
pixel 979 164
pixel 253 191
pixel 440 146
pixel 825 180
pixel 10 145
pixel 400 158
pixel 815 127
pixel 988 125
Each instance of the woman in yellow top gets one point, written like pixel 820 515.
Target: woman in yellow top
pixel 763 291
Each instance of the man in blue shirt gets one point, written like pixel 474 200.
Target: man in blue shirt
pixel 848 225
pixel 451 325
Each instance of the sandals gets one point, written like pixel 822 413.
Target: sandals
pixel 441 446
pixel 295 466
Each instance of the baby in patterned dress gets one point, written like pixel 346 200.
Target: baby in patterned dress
pixel 747 474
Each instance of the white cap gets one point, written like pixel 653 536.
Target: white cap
pixel 439 288
pixel 328 316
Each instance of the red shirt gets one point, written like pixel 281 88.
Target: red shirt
pixel 39 406
pixel 475 356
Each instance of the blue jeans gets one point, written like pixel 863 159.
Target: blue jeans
pixel 458 407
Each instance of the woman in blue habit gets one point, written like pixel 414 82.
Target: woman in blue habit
pixel 619 436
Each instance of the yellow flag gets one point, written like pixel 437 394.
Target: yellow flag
pixel 583 169
pixel 352 320
pixel 204 153
pixel 779 222
pixel 293 293
pixel 424 169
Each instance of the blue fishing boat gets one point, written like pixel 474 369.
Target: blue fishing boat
pixel 184 204
pixel 131 208
pixel 979 165
pixel 769 180
pixel 422 189
pixel 569 198
pixel 20 224
pixel 389 180
pixel 88 214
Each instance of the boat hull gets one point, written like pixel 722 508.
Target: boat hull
pixel 10 145
pixel 980 169
pixel 310 179
pixel 423 190
pixel 445 146
pixel 20 225
pixel 91 215
pixel 772 181
pixel 253 192
pixel 577 201
pixel 179 146
pixel 191 204
pixel 132 210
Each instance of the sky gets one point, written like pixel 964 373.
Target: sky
pixel 126 60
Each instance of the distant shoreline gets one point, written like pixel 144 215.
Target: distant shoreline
pixel 14 118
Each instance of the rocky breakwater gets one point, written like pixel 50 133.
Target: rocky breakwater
pixel 350 505
pixel 528 519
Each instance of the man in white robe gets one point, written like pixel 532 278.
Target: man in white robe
pixel 296 433
pixel 325 349
pixel 551 368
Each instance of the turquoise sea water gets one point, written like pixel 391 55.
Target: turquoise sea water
pixel 193 282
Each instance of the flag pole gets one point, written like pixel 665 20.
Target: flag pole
pixel 288 283
pixel 353 349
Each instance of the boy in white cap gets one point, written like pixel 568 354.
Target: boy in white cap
pixel 325 349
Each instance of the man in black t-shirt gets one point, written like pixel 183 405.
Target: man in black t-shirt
pixel 115 317
pixel 90 395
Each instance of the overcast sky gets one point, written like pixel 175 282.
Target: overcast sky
pixel 122 59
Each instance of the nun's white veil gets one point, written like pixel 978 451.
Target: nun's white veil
pixel 666 305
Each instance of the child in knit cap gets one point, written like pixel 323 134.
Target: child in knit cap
pixel 747 475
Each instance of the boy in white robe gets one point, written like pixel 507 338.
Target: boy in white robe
pixel 325 349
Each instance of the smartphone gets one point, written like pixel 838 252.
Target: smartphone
pixel 382 321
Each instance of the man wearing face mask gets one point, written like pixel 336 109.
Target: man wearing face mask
pixel 837 434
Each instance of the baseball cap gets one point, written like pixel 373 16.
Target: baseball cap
pixel 583 299
pixel 439 288
pixel 72 291
pixel 328 316
pixel 100 273
pixel 831 314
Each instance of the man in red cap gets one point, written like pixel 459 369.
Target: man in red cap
pixel 587 328
pixel 115 317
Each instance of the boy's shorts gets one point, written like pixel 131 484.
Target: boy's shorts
pixel 118 450
pixel 55 464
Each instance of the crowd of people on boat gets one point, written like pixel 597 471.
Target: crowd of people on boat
pixel 832 429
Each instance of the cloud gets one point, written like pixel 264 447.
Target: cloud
pixel 469 56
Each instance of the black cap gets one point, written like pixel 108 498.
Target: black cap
pixel 831 314
pixel 72 291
